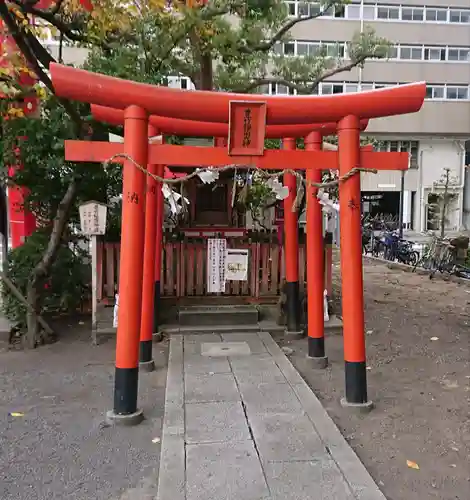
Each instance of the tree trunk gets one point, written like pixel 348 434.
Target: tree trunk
pixel 206 79
pixel 32 336
pixel 42 268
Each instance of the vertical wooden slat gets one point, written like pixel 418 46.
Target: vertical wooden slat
pixel 244 286
pixel 274 261
pixel 264 268
pixel 163 270
pixel 200 270
pixel 169 268
pixel 283 263
pixel 190 271
pixel 255 271
pixel 175 269
pixel 182 267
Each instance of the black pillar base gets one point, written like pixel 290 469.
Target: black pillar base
pixel 316 352
pixel 145 351
pixel 126 381
pixel 293 306
pixel 146 363
pixel 156 307
pixel 356 386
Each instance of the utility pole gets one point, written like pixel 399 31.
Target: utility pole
pixel 402 204
pixel 445 201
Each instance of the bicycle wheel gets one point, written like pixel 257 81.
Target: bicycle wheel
pixel 413 259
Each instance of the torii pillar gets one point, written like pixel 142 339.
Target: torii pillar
pixel 352 285
pixel 146 362
pixel 315 262
pixel 291 251
pixel 125 409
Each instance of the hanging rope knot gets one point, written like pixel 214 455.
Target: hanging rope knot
pixel 211 174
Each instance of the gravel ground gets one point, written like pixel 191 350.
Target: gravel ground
pixel 61 448
pixel 418 348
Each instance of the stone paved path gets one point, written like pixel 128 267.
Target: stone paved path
pixel 241 424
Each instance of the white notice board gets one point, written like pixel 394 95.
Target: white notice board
pixel 236 264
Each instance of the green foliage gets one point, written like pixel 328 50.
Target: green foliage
pixel 40 151
pixel 257 197
pixel 66 288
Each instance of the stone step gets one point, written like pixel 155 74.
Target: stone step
pixel 218 315
pixel 210 329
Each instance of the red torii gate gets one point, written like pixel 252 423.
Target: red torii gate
pixel 245 148
pixel 154 212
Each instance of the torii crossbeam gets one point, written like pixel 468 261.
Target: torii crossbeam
pixel 247 117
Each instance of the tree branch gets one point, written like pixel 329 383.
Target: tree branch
pixel 51 17
pixel 302 88
pixel 24 47
pixel 265 46
pixel 207 13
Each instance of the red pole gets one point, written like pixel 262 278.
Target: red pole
pixel 158 253
pixel 291 251
pixel 131 270
pixel 315 262
pixel 351 265
pixel 146 329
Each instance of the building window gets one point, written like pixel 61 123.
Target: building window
pixel 303 9
pixel 289 49
pixel 459 16
pixel 353 12
pixel 462 54
pixel 435 92
pixel 291 6
pixel 434 54
pixel 436 15
pixel 412 14
pixel 331 88
pixel 374 10
pixel 391 13
pixel 302 49
pixel 351 88
pixel 410 147
pixel 459 93
pixel 411 53
pixel 396 52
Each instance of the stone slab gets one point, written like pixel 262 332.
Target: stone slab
pixel 208 388
pixel 353 470
pixel 297 446
pixel 270 398
pixel 171 477
pixel 202 337
pixel 253 341
pixel 306 481
pixel 198 365
pixel 282 437
pixel 224 471
pixel 225 349
pixel 265 371
pixel 216 422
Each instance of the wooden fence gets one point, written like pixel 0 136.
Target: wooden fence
pixel 184 269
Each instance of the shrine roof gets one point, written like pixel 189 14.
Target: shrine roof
pixel 93 88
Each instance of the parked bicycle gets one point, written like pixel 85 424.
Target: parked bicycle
pixel 397 249
pixel 440 255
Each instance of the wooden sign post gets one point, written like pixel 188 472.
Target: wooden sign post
pixel 93 224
